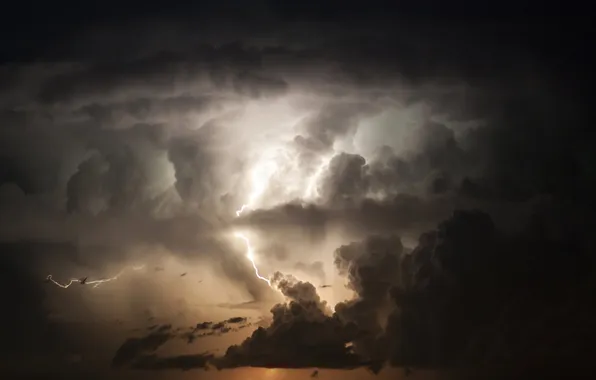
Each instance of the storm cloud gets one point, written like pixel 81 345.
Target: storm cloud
pixel 438 306
pixel 441 171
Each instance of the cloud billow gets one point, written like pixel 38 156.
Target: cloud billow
pixel 428 308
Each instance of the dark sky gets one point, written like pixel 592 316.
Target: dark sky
pixel 417 180
pixel 28 29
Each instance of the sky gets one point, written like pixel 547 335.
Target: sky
pixel 279 190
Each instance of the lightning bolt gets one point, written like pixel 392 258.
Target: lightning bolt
pixel 95 283
pixel 241 210
pixel 250 256
pixel 260 178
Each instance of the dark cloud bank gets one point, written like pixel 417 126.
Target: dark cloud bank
pixel 467 298
pixel 500 282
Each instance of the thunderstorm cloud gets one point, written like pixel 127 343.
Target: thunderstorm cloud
pixel 413 192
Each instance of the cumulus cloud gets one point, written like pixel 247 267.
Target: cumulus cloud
pixel 301 335
pixel 436 306
pixel 305 333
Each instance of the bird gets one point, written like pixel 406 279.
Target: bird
pixel 183 274
pixel 83 281
pixel 315 373
pixel 325 286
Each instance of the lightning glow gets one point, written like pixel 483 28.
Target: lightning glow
pixel 260 177
pixel 241 209
pixel 95 283
pixel 311 191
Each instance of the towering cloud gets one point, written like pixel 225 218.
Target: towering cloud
pixel 438 306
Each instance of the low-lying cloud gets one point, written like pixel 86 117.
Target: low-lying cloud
pixel 428 307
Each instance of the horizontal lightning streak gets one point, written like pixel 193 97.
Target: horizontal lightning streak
pixel 95 283
pixel 65 285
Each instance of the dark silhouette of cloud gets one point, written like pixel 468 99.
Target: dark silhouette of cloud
pixel 133 348
pixel 236 320
pixel 439 306
pixel 306 340
pixel 297 337
pixel 138 352
pixel 203 325
pixel 183 362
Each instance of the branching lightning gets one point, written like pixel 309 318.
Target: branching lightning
pixel 260 179
pixel 95 283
